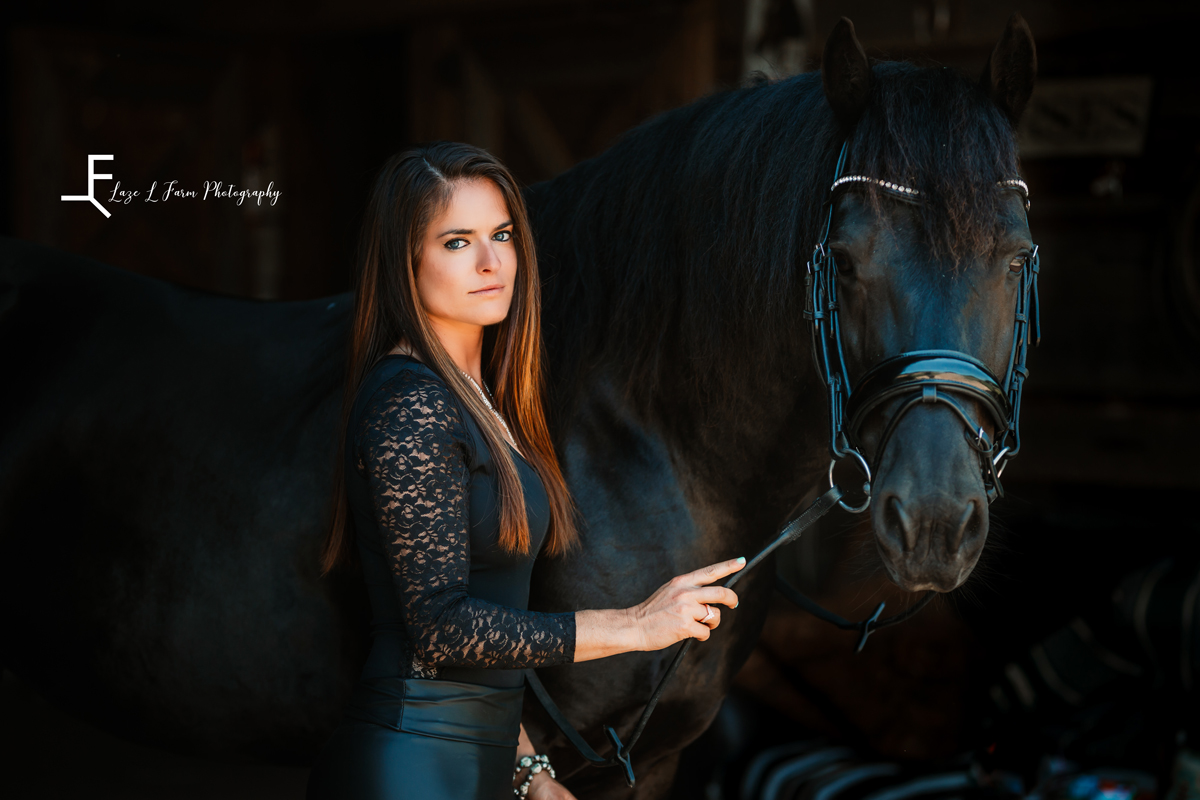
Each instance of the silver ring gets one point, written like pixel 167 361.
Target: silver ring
pixel 709 615
pixel 866 486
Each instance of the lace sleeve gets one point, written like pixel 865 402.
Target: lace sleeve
pixel 413 454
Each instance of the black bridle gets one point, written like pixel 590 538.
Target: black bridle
pixel 920 376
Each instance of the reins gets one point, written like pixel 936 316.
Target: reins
pixel 792 531
pixel 924 376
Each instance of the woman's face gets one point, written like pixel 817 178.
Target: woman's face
pixel 468 261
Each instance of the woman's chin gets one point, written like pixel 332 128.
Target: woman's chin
pixel 490 312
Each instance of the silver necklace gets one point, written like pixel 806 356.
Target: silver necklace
pixel 492 408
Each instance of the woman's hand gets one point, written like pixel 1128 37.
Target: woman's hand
pixel 682 607
pixel 685 606
pixel 543 787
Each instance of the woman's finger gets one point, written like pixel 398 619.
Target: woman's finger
pixel 714 572
pixel 711 616
pixel 715 594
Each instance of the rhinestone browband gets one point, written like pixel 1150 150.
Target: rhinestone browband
pixel 906 192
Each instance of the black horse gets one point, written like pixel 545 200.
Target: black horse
pixel 165 454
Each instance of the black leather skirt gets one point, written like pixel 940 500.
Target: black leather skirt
pixel 421 738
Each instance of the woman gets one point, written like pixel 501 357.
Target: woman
pixel 447 495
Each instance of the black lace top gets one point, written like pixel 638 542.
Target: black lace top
pixel 446 601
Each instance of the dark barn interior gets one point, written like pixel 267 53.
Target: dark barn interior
pixel 1076 636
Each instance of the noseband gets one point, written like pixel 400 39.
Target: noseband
pixel 920 376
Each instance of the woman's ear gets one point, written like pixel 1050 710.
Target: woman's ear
pixel 845 73
pixel 1011 69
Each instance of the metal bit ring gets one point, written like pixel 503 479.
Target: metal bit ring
pixel 866 469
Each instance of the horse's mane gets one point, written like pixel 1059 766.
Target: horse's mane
pixel 674 259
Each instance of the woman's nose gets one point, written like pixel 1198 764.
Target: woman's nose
pixel 489 259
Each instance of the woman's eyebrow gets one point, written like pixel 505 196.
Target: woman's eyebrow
pixel 469 231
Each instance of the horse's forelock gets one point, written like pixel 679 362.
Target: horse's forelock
pixel 935 131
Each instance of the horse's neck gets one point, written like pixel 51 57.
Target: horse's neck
pixel 765 450
pixel 765 431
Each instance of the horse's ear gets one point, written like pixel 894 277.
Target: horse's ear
pixel 845 73
pixel 1011 69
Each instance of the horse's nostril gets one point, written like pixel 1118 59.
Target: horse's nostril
pixel 898 520
pixel 968 527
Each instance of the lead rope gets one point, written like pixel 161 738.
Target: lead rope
pixel 790 532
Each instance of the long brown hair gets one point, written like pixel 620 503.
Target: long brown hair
pixel 411 190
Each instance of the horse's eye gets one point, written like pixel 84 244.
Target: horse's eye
pixel 1018 263
pixel 842 263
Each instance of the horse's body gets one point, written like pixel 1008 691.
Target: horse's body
pixel 164 454
pixel 163 465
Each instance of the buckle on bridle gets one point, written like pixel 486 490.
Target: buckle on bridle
pixel 980 443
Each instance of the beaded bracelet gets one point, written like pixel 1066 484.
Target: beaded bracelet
pixel 535 764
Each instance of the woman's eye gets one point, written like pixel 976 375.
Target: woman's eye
pixel 503 236
pixel 1017 264
pixel 456 244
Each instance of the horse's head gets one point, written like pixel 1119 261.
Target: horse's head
pixel 936 266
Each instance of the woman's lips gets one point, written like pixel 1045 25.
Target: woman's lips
pixel 489 290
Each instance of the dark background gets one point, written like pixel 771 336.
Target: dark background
pixel 313 96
